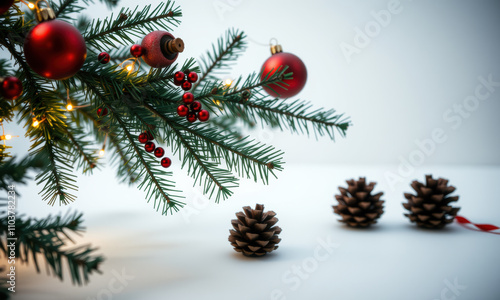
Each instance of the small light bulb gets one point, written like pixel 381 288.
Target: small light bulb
pixel 8 137
pixel 228 82
pixel 31 5
pixel 101 153
pixel 69 107
pixel 36 123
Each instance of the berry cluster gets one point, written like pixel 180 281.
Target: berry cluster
pixel 190 108
pixel 146 138
pixel 185 81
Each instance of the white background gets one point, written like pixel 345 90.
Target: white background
pixel 396 91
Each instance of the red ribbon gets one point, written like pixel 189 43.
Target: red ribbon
pixel 482 227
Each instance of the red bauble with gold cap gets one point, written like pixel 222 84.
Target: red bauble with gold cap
pixel 295 65
pixel 54 49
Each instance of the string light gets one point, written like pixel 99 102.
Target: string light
pixel 103 151
pixel 228 81
pixel 69 107
pixel 29 4
pixel 130 65
pixel 35 123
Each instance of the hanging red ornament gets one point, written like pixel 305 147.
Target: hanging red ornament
pixel 5 5
pixel 186 85
pixel 166 162
pixel 188 98
pixel 295 65
pixel 159 152
pixel 143 138
pixel 161 49
pixel 191 117
pixel 182 110
pixel 11 87
pixel 54 49
pixel 203 115
pixel 196 106
pixel 136 50
pixel 150 147
pixel 192 77
pixel 101 112
pixel 103 57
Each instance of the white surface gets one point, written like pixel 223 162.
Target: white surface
pixel 188 256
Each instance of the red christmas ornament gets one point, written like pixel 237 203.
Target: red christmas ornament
pixel 203 115
pixel 103 57
pixel 192 77
pixel 143 138
pixel 166 162
pixel 161 49
pixel 136 50
pixel 186 85
pixel 54 49
pixel 159 152
pixel 11 88
pixel 182 110
pixel 191 117
pixel 150 147
pixel 188 98
pixel 101 112
pixel 196 106
pixel 5 5
pixel 295 65
pixel 179 76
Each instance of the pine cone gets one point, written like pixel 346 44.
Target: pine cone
pixel 254 232
pixel 430 207
pixel 357 206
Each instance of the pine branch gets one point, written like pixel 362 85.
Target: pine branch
pixel 86 158
pixel 228 50
pixel 294 115
pixel 12 171
pixel 49 237
pixel 106 33
pixel 156 186
pixel 49 138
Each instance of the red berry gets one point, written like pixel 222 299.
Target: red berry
pixel 150 136
pixel 136 50
pixel 101 112
pixel 182 110
pixel 159 152
pixel 191 117
pixel 203 115
pixel 186 85
pixel 11 87
pixel 178 83
pixel 150 147
pixel 166 162
pixel 196 106
pixel 188 98
pixel 179 76
pixel 103 58
pixel 143 138
pixel 192 77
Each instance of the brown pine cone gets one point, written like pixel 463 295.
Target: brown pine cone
pixel 357 206
pixel 254 232
pixel 430 207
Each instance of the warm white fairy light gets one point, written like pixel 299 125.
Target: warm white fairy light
pixel 35 123
pixel 69 107
pixel 228 81
pixel 102 152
